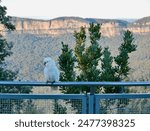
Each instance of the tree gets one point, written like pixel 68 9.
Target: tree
pixel 5 20
pixel 67 65
pixel 91 63
pixel 5 48
pixel 88 59
pixel 8 106
pixel 122 60
pixel 120 71
pixel 66 62
pixel 108 71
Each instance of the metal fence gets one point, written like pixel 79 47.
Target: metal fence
pixel 124 103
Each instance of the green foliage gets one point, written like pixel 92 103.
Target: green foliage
pixel 80 48
pixel 88 60
pixel 66 62
pixel 5 20
pixel 4 49
pixel 88 57
pixel 95 33
pixel 4 46
pixel 122 60
pixel 67 65
pixel 108 71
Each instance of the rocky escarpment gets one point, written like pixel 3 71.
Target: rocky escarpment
pixel 51 27
pixel 140 26
pixel 65 25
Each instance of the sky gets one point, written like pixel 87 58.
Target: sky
pixel 49 9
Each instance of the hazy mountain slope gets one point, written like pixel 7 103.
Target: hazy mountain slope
pixel 29 51
pixel 122 23
pixel 145 20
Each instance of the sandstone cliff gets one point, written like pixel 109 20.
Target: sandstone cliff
pixel 51 27
pixel 140 26
pixel 65 25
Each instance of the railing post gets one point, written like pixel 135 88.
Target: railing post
pixel 91 101
pixel 92 90
pixel 84 104
pixel 97 105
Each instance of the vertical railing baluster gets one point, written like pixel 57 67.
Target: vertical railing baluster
pixel 97 105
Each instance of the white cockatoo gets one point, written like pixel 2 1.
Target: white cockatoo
pixel 51 71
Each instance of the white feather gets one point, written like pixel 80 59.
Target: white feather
pixel 51 71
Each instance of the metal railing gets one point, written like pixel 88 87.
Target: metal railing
pixel 74 103
pixel 35 83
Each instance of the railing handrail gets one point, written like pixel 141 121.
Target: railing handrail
pixel 91 83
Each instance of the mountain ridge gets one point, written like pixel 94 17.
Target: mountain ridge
pixel 63 25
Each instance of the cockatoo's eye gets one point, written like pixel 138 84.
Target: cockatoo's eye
pixel 45 63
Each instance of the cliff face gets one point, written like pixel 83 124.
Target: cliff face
pixel 50 27
pixel 61 26
pixel 111 29
pixel 140 29
pixel 140 26
pixel 65 25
